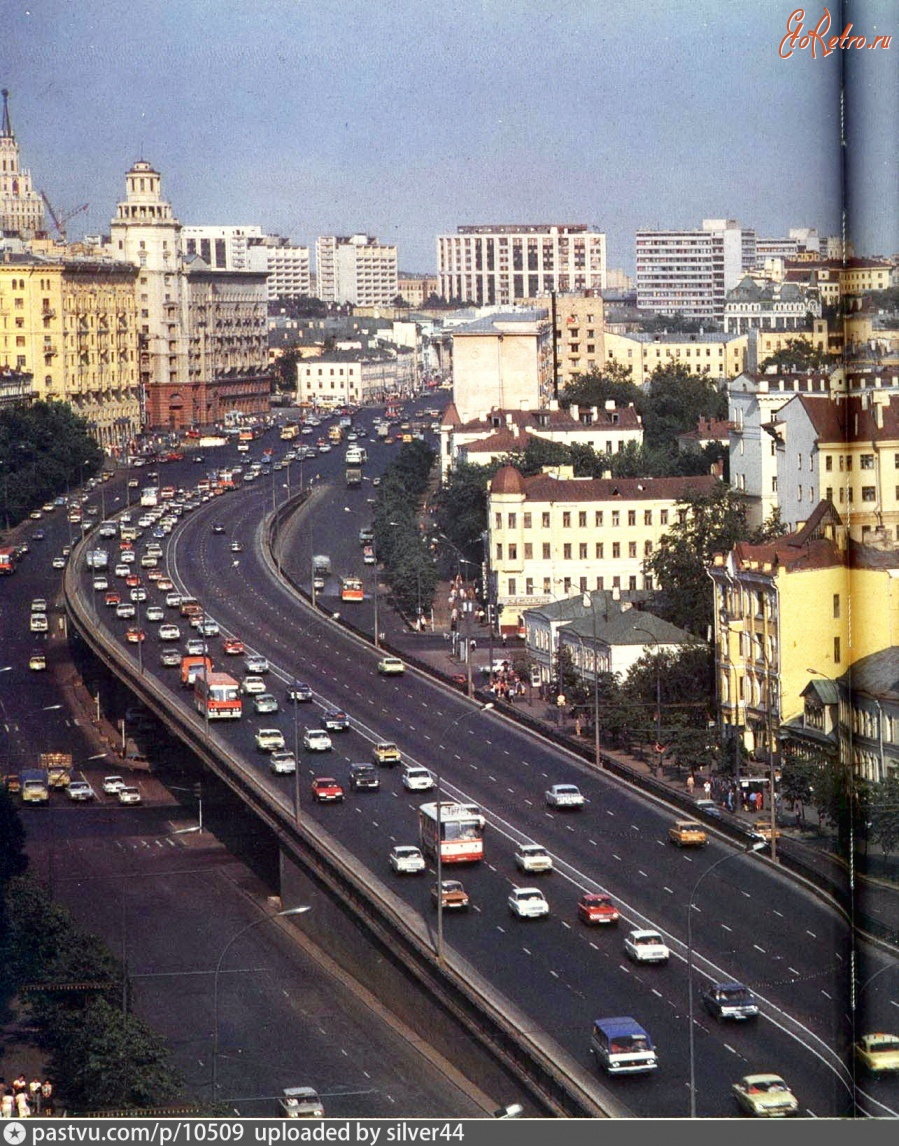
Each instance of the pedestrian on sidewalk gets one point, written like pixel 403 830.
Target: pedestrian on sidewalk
pixel 691 783
pixel 7 1104
pixel 47 1098
pixel 707 788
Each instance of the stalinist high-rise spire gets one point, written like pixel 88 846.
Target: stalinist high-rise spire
pixel 21 207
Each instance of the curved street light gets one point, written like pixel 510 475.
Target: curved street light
pixel 756 847
pixel 215 987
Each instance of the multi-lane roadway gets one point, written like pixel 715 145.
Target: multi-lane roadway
pixel 749 920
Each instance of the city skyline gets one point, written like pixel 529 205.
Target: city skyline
pixel 405 123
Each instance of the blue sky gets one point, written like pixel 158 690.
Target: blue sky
pixel 405 119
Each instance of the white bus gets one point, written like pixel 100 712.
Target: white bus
pixel 461 832
pixel 149 495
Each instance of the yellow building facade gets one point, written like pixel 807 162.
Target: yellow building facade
pixel 553 534
pixel 715 355
pixel 72 324
pixel 780 609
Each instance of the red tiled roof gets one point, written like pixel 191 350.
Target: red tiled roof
pixel 507 480
pixel 542 487
pixel 851 419
pixel 627 419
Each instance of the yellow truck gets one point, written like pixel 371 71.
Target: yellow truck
pixel 58 766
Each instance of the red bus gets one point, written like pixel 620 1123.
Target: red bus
pixel 461 832
pixel 7 561
pixel 217 696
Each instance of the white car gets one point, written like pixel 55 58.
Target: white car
pixel 255 665
pixel 533 857
pixel 169 633
pixel 38 623
pixel 270 740
pixel 172 600
pixel 138 593
pixel 316 740
pixel 407 860
pixel 80 790
pixel 101 584
pixel 417 779
pixel 528 903
pixel 564 796
pixel 125 609
pixel 251 685
pixel 644 946
pixel 111 784
pixel 208 628
pixel 283 762
pixel 391 666
pixel 155 613
pixel 128 794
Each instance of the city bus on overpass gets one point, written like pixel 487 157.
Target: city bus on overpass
pixel 461 832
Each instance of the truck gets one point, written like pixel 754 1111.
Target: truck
pixel 289 431
pixel 321 565
pixel 192 667
pixel 7 561
pixel 353 477
pixel 335 435
pixel 58 766
pixel 621 1046
pixel 35 788
pixel 383 430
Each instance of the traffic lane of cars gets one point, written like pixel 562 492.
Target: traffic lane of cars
pixel 639 881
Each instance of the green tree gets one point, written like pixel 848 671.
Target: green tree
pixel 675 402
pixel 613 384
pixel 797 355
pixel 712 523
pixel 461 509
pixel 113 1061
pixel 883 814
pixel 285 370
pixel 45 448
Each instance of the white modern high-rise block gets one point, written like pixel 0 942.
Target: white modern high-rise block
pixel 497 265
pixel 355 269
pixel 690 272
pixel 221 248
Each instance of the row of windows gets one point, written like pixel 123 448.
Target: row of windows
pixel 582 518
pixel 582 585
pixel 568 551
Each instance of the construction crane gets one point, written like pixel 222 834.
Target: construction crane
pixel 59 221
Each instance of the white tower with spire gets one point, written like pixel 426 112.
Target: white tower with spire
pixel 21 207
pixel 146 233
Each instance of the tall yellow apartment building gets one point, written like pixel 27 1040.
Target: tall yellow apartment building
pixel 72 324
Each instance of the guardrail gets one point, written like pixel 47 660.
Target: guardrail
pixel 557 1082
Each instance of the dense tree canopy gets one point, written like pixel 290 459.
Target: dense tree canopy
pixel 713 523
pixel 45 448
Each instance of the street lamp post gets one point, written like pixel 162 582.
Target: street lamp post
pixel 730 855
pixel 655 641
pixel 215 984
pixel 453 724
pixel 588 602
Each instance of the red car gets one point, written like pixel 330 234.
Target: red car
pixel 134 636
pixel 595 908
pixel 174 456
pixel 113 599
pixel 326 790
pixel 132 580
pixel 234 647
